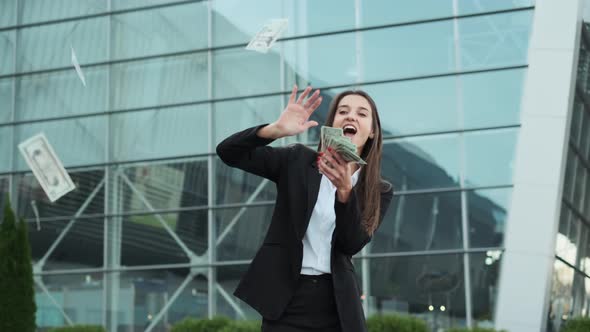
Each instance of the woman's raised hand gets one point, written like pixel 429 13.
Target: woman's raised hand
pixel 295 118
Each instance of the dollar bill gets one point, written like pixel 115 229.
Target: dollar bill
pixel 267 36
pixel 46 167
pixel 334 138
pixel 77 66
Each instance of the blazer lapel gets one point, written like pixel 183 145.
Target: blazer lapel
pixel 313 186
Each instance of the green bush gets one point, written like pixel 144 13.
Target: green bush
pixel 396 323
pixel 17 295
pixel 242 326
pixel 578 324
pixel 79 328
pixel 215 324
pixel 475 329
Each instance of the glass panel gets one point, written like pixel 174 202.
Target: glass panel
pixel 38 11
pixel 86 199
pixel 493 41
pixel 584 143
pixel 491 99
pixel 160 81
pixel 562 243
pixel 490 150
pixel 412 50
pixel 159 133
pixel 163 30
pixel 234 70
pixel 485 272
pixel 577 116
pixel 155 239
pixel 429 287
pixel 420 222
pixel 431 45
pixel 3 191
pixel 566 245
pixel 570 173
pixel 583 67
pixel 322 61
pixel 582 245
pixel 6 98
pixel 585 257
pixel 236 115
pixel 61 93
pixel 142 296
pixel 228 278
pixel 237 186
pixel 79 296
pixel 579 291
pixel 381 12
pixel 236 22
pixel 561 295
pixel 6 148
pixel 579 183
pixel 7 42
pixel 240 231
pixel 422 162
pixel 80 247
pixel 49 46
pixel 487 216
pixel 404 110
pixel 127 4
pixel 478 6
pixel 164 186
pixel 76 142
pixel 8 13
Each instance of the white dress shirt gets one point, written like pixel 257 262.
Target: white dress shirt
pixel 317 242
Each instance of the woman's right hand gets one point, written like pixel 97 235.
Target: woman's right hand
pixel 294 119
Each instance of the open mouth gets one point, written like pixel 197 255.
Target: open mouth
pixel 349 131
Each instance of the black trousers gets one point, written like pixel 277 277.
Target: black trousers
pixel 312 308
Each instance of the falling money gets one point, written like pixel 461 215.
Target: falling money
pixel 46 167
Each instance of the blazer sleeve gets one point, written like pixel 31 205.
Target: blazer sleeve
pixel 351 237
pixel 249 152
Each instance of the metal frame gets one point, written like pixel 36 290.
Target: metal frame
pixel 259 95
pixel 463 169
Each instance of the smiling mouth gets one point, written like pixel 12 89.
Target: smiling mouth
pixel 349 131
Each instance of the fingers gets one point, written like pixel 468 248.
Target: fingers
pixel 315 105
pixel 329 157
pixel 311 100
pixel 293 94
pixel 338 157
pixel 303 95
pixel 310 124
pixel 328 171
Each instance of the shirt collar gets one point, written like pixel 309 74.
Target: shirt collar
pixel 355 176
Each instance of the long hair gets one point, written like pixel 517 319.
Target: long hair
pixel 370 184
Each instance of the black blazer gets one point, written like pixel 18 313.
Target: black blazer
pixel 273 274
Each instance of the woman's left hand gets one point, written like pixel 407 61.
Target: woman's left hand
pixel 338 171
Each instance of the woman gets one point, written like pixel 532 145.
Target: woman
pixel 302 277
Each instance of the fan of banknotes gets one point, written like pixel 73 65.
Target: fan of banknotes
pixel 334 138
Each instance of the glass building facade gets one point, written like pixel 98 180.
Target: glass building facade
pixel 570 292
pixel 159 228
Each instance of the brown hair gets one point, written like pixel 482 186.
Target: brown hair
pixel 370 184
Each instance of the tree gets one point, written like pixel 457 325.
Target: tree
pixel 17 295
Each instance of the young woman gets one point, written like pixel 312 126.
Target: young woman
pixel 302 277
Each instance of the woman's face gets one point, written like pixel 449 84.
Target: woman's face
pixel 355 116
